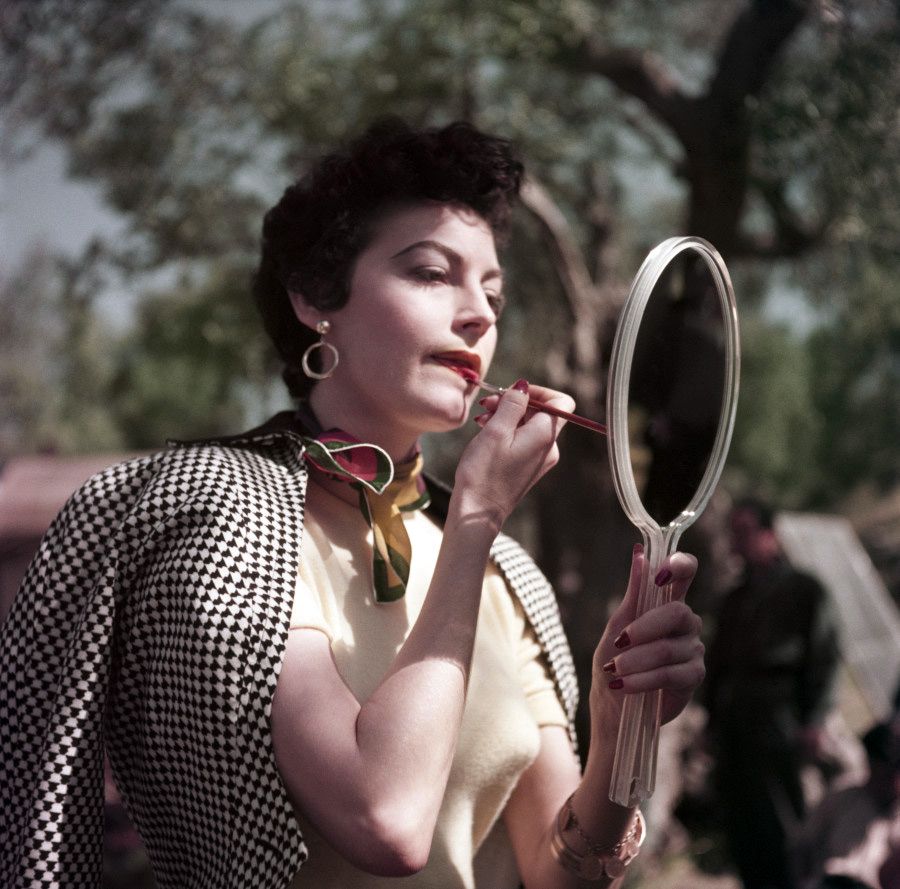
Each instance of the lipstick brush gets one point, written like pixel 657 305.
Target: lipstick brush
pixel 471 377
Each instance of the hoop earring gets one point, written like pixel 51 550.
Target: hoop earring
pixel 322 328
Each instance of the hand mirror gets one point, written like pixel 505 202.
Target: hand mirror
pixel 671 401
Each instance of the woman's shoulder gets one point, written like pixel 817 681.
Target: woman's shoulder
pixel 535 594
pixel 517 567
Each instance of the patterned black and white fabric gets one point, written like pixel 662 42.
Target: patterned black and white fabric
pixel 152 623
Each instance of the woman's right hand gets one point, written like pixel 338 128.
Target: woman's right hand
pixel 515 448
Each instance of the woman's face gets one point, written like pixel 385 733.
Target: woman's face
pixel 424 294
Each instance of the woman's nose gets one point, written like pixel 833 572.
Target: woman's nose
pixel 474 311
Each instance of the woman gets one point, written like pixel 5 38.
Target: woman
pixel 290 660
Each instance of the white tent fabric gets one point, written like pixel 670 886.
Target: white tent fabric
pixel 828 547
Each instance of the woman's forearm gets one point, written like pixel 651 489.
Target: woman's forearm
pixel 661 649
pixel 418 706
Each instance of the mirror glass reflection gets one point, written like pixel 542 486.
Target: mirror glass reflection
pixel 676 386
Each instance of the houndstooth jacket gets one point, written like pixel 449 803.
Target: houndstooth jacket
pixel 152 624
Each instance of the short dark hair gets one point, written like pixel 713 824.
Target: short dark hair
pixel 312 236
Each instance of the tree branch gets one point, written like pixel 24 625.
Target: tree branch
pixel 751 48
pixel 639 74
pixel 586 300
pixel 790 236
pixel 652 135
pixel 791 232
pixel 744 66
pixel 565 251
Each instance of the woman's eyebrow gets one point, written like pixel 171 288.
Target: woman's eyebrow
pixel 448 252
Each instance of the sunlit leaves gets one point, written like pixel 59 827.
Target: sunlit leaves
pixel 829 124
pixel 777 429
pixel 856 362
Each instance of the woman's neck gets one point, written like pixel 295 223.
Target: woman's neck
pixel 400 444
pixel 336 488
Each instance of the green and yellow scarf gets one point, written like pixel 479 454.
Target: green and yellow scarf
pixel 385 493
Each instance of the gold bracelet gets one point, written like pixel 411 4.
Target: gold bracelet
pixel 597 863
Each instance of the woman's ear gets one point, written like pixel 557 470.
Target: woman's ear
pixel 306 314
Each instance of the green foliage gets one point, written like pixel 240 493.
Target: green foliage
pixel 856 383
pixel 30 330
pixel 777 429
pixel 55 363
pixel 829 126
pixel 196 361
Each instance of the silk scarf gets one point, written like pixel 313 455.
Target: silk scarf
pixel 385 493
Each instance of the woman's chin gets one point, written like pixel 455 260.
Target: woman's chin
pixel 449 416
pixel 448 424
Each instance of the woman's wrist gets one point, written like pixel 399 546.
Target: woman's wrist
pixel 474 516
pixel 605 709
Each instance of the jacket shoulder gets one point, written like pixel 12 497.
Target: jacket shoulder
pixel 112 488
pixel 538 599
pixel 219 475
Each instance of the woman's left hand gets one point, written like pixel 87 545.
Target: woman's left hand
pixel 661 649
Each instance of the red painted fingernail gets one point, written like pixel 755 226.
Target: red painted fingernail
pixel 623 640
pixel 521 386
pixel 481 401
pixel 616 683
pixel 609 667
pixel 663 577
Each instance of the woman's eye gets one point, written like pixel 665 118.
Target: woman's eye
pixel 430 274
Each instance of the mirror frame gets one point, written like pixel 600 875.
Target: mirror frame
pixel 618 440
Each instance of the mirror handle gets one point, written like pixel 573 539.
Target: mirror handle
pixel 634 766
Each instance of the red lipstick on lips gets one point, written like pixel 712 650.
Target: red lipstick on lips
pixel 466 364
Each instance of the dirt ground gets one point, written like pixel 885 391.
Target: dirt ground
pixel 681 874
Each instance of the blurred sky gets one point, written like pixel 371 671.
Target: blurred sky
pixel 40 205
